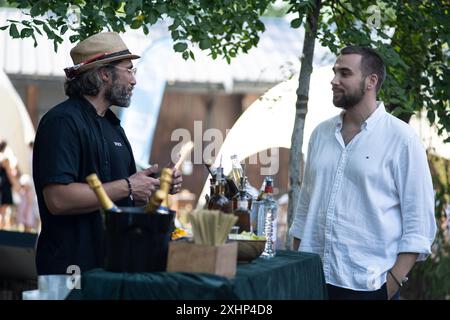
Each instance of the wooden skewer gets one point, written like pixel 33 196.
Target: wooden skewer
pixel 185 149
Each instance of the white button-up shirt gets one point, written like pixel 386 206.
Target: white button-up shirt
pixel 362 204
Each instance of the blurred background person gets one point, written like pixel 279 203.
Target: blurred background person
pixel 8 184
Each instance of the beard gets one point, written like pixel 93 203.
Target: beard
pixel 348 101
pixel 118 94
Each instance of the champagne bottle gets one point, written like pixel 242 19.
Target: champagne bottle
pixel 165 183
pixel 105 201
pixel 155 201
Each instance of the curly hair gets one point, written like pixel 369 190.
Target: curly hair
pixel 87 83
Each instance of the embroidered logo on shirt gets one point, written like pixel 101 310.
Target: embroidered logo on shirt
pixel 117 144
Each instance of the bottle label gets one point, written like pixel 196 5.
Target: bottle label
pixel 243 204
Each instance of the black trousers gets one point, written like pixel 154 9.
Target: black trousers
pixel 338 293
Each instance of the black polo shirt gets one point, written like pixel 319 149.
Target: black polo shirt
pixel 72 141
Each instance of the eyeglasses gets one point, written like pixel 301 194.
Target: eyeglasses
pixel 130 70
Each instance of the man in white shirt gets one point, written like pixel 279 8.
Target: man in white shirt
pixel 366 204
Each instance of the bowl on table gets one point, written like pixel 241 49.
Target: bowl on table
pixel 249 250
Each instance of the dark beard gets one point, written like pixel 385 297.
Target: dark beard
pixel 349 101
pixel 117 94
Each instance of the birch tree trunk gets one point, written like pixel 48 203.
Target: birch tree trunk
pixel 301 106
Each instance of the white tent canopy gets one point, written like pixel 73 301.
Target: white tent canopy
pixel 15 124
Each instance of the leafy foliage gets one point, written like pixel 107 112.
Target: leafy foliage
pixel 412 36
pixel 430 279
pixel 223 27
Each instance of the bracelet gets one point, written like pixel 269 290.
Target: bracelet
pixel 395 279
pixel 130 193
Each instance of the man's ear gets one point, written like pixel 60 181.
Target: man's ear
pixel 105 74
pixel 373 80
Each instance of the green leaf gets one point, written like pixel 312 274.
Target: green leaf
pixel 35 41
pixel 55 45
pixel 175 35
pixel 49 32
pixel 205 44
pixel 74 38
pixel 26 32
pixel 13 32
pixel 191 54
pixel 145 28
pixel 180 47
pixel 4 27
pixel 35 10
pixel 64 29
pixel 136 24
pixel 296 23
pixel 185 55
pixel 37 30
pixel 431 116
pixel 152 17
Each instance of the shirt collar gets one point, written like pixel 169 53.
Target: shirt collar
pixel 370 122
pixel 108 114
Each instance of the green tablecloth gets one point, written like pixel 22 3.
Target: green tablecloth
pixel 290 275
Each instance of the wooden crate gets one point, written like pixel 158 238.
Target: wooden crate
pixel 189 257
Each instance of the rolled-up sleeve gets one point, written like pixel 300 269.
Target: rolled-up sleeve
pixel 415 188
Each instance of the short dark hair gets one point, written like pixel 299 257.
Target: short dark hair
pixel 371 62
pixel 87 83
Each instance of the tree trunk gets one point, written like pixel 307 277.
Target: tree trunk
pixel 301 106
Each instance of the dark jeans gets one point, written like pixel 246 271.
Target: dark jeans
pixel 338 293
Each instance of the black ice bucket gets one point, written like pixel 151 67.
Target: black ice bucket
pixel 137 241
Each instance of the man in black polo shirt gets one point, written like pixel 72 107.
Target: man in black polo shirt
pixel 80 136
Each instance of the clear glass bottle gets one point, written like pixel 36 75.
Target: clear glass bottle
pixel 236 170
pixel 268 220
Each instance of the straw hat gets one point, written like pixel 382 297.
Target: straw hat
pixel 99 49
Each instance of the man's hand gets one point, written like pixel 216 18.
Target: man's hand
pixel 143 185
pixel 391 286
pixel 177 179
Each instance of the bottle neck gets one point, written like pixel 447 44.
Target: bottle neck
pixel 155 201
pixel 166 181
pixel 105 201
pixel 268 189
pixel 220 189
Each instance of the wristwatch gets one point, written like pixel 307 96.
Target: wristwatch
pixel 400 282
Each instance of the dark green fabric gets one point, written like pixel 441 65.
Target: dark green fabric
pixel 290 275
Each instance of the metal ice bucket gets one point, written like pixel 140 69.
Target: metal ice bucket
pixel 137 241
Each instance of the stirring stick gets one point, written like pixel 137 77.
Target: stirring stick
pixel 185 149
